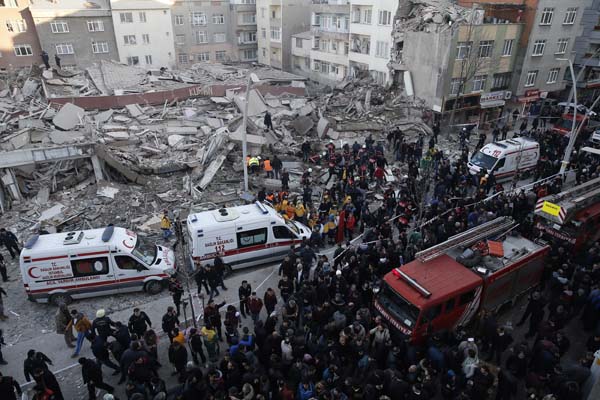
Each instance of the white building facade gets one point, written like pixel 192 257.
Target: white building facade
pixel 144 32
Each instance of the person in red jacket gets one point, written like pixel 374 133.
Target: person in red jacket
pixel 254 305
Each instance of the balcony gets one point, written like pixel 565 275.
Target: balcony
pixel 330 6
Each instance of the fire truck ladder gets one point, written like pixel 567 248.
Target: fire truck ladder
pixel 474 235
pixel 571 200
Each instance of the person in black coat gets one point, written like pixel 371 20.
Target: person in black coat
pixel 170 322
pixel 92 377
pixel 139 322
pixel 8 387
pixel 45 378
pixel 268 121
pixel 244 292
pixel 129 356
pixel 122 335
pixel 102 325
pixel 196 345
pixel 35 360
pixel 535 310
pixel 10 241
pixel 178 357
pixel 100 351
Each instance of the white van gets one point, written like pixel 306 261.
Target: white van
pixel 506 157
pixel 60 267
pixel 243 236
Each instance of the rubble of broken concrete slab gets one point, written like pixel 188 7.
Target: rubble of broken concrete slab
pixel 66 167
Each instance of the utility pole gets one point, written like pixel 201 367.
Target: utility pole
pixel 183 270
pixel 574 132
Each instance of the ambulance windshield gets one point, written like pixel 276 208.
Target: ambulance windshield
pixel 292 226
pixel 145 250
pixel 484 160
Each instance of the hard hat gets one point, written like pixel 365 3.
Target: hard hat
pixel 310 170
pixel 100 313
pixel 258 157
pixel 364 146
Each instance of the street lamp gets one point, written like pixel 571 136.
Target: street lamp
pixel 573 135
pixel 252 79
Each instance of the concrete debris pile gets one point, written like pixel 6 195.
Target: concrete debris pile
pixel 432 15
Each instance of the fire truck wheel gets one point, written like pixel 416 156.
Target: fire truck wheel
pixel 60 298
pixel 153 287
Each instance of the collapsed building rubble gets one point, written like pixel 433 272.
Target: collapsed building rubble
pixel 68 166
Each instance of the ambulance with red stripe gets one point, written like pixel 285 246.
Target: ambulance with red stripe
pixel 60 267
pixel 449 284
pixel 506 158
pixel 242 236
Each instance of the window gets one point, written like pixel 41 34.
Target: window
pixel 263 12
pixel 299 43
pixel 346 48
pixel 148 59
pixel 126 17
pixel 334 46
pixel 179 20
pixel 248 37
pixel 379 77
pixel 248 1
pixel 316 19
pixel 142 16
pixel 570 16
pixel 463 49
pixel 249 54
pixel 251 238
pixel 382 49
pixel 547 15
pixel 273 14
pixel 275 34
pixel 219 37
pixel 263 32
pixel 145 38
pixel 179 40
pixel 501 81
pixel 356 16
pixel 466 298
pixel 203 56
pixel 198 18
pixel 129 40
pixel 64 48
pixel 456 86
pixel 538 47
pixel 479 83
pixel 508 47
pixel 385 17
pixel 95 26
pixel 183 58
pixel 531 78
pixel 99 47
pixel 562 46
pixel 218 19
pixel 59 27
pixel 449 305
pixel 367 17
pixel 281 232
pixel 553 75
pixel 22 50
pixel 317 65
pixel 128 263
pixel 90 266
pixel 249 18
pixel 485 48
pixel 18 25
pixel 201 37
pixel 220 55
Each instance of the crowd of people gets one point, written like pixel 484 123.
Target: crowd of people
pixel 316 335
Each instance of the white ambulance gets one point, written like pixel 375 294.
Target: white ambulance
pixel 506 157
pixel 61 267
pixel 242 236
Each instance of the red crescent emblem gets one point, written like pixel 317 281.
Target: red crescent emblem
pixel 30 272
pixel 127 245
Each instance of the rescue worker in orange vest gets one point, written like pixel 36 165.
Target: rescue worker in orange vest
pixel 268 168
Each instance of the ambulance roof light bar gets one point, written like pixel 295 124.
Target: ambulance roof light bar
pixel 31 242
pixel 261 207
pixel 108 232
pixel 416 285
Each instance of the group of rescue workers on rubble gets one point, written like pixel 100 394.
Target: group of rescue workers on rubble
pixel 318 337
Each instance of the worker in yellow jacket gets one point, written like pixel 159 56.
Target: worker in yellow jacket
pixel 300 212
pixel 166 225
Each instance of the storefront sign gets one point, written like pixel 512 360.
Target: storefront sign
pixel 530 96
pixel 493 99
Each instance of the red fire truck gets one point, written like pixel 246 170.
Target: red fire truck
pixel 572 217
pixel 448 284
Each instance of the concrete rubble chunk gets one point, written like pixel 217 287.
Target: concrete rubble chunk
pixel 103 116
pixel 134 110
pixel 214 122
pixel 182 130
pixel 118 135
pixel 62 137
pixel 68 117
pixel 29 88
pixel 322 127
pixel 107 190
pixel 303 125
pixel 121 118
pixel 256 104
pixel 174 140
pixel 47 74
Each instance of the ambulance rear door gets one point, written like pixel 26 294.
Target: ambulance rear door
pixel 93 274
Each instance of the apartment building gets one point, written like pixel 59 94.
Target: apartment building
pixel 543 63
pixel 144 32
pixel 214 31
pixel 78 31
pixel 19 45
pixel 371 38
pixel 587 54
pixel 277 21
